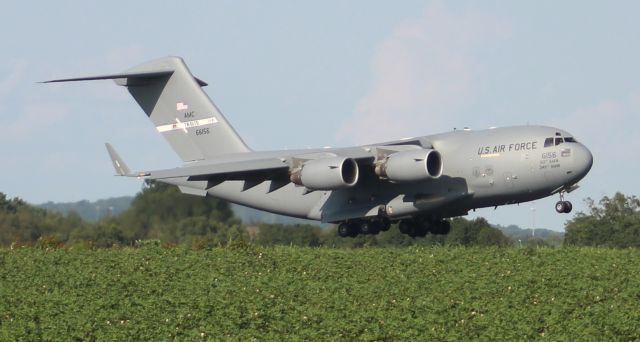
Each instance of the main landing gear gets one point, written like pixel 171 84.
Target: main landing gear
pixel 562 206
pixel 421 227
pixel 365 227
pixel 414 227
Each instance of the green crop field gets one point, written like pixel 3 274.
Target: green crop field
pixel 245 293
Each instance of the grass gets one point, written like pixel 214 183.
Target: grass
pixel 442 293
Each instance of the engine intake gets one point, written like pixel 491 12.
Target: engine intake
pixel 326 173
pixel 411 166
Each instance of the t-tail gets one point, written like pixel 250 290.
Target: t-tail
pixel 181 111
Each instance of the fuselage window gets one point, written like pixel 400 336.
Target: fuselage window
pixel 548 142
pixel 558 141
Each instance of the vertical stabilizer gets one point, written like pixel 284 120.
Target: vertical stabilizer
pixel 178 107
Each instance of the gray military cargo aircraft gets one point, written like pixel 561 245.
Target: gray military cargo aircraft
pixel 416 182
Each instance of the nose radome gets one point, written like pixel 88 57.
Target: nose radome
pixel 583 160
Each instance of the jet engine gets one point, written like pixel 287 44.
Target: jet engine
pixel 326 173
pixel 410 166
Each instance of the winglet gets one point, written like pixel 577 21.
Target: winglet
pixel 121 168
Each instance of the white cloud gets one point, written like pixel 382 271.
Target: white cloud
pixel 422 72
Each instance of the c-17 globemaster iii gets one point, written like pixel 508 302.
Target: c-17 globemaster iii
pixel 417 182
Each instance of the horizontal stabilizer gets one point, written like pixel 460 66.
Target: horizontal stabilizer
pixel 150 74
pixel 125 75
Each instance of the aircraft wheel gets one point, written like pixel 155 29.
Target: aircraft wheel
pixel 354 231
pixel 369 228
pixel 446 227
pixel 365 227
pixel 384 223
pixel 435 227
pixel 560 207
pixel 406 227
pixel 344 229
pixel 421 231
pixel 442 227
pixel 567 207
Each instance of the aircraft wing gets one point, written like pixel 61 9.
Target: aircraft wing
pixel 269 168
pixel 254 170
pixel 236 170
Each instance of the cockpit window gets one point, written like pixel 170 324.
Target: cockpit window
pixel 557 140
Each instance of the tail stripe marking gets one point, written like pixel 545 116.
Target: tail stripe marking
pixel 184 125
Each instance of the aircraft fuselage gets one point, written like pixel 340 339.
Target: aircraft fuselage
pixel 481 168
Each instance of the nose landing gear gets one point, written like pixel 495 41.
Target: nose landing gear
pixel 562 206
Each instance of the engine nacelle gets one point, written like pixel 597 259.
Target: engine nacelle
pixel 326 173
pixel 411 166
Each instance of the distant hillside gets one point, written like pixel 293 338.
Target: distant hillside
pixel 92 211
pixel 524 236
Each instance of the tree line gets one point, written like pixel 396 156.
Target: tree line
pixel 610 222
pixel 163 215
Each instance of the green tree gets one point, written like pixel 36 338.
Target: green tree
pixel 23 223
pixel 105 233
pixel 475 232
pixel 162 212
pixel 612 222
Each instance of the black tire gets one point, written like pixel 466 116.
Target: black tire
pixel 369 227
pixel 385 224
pixel 344 230
pixel 568 207
pixel 435 227
pixel 446 228
pixel 355 230
pixel 375 228
pixel 405 227
pixel 560 207
pixel 421 231
pixel 366 227
pixel 442 228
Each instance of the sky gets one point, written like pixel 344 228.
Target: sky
pixel 291 74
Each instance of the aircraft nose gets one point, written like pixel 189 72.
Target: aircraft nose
pixel 583 160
